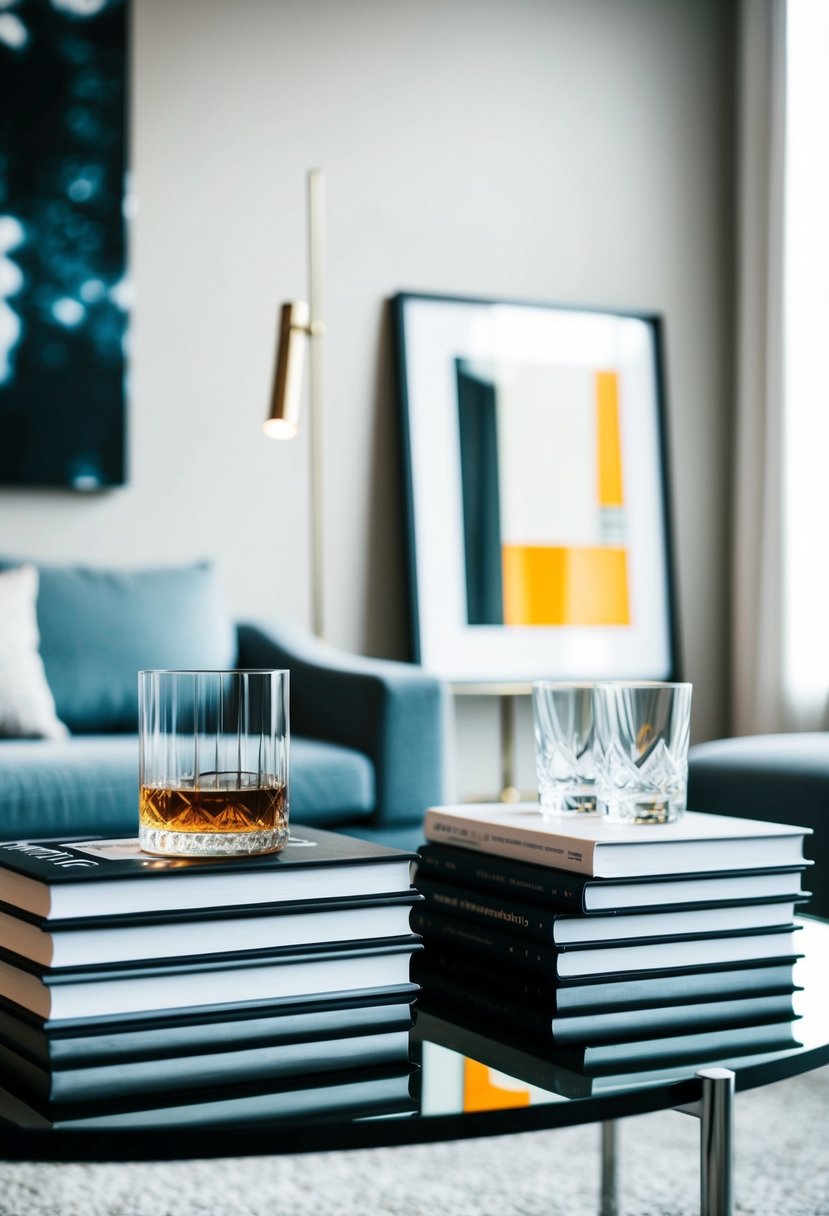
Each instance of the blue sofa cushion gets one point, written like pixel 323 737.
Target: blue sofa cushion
pixel 330 784
pixel 98 628
pixel 85 786
pixel 88 786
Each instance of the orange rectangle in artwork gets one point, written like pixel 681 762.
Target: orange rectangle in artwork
pixel 546 585
pixel 609 442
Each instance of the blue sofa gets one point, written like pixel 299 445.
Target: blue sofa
pixel 366 735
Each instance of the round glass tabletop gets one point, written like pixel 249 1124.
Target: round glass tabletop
pixel 464 1077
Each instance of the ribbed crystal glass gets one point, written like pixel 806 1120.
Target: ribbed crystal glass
pixel 213 766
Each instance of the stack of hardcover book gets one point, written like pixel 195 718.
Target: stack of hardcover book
pixel 584 931
pixel 147 990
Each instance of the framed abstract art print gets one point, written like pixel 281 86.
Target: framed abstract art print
pixel 64 285
pixel 536 484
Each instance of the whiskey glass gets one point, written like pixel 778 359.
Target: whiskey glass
pixel 213 762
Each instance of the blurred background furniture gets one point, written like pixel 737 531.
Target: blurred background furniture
pixel 783 778
pixel 366 745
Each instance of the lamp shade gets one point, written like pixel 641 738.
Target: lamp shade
pixel 283 420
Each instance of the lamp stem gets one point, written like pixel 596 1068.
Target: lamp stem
pixel 316 388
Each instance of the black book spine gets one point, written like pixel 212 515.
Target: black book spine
pixel 554 889
pixel 501 947
pixel 492 909
pixel 470 969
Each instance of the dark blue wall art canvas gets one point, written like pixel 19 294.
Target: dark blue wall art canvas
pixel 63 288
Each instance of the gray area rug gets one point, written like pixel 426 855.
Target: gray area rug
pixel 782 1169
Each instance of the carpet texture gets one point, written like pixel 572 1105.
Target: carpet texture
pixel 782 1169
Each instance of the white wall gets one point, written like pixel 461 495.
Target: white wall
pixel 568 150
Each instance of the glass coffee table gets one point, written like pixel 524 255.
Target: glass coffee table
pixel 466 1082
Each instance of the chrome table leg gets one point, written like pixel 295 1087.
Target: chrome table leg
pixel 716 1142
pixel 607 1200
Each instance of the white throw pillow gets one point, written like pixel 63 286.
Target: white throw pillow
pixel 27 707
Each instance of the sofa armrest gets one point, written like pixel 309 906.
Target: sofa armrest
pixel 391 711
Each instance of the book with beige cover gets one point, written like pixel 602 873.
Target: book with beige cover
pixel 593 845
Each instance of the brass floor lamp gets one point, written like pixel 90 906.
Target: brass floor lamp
pixel 300 323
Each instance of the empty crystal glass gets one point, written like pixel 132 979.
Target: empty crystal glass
pixel 642 734
pixel 565 766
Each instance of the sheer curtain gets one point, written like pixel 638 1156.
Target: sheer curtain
pixel 781 580
pixel 806 383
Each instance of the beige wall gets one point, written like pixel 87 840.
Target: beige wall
pixel 569 150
